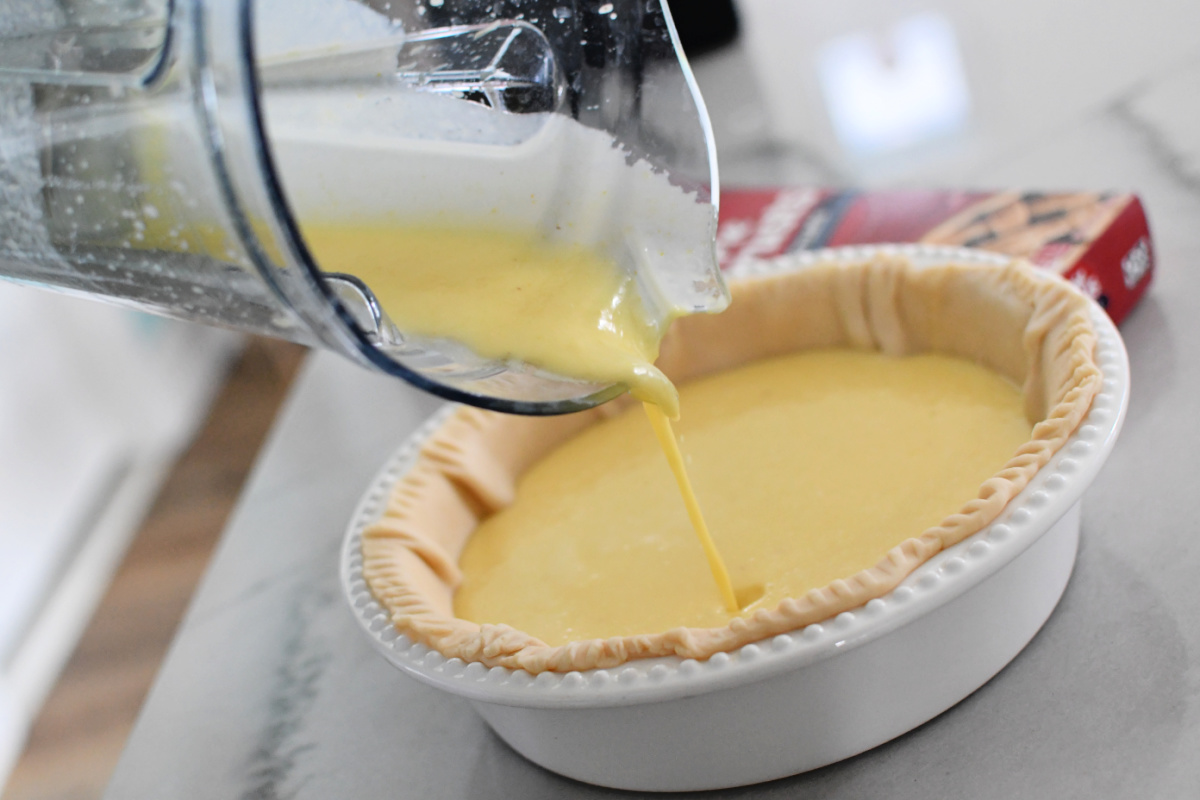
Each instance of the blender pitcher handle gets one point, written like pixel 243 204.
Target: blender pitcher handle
pixel 506 65
pixel 84 42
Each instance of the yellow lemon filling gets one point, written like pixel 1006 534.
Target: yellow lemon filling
pixel 810 467
pixel 505 295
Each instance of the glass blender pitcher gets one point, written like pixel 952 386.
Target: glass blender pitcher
pixel 166 154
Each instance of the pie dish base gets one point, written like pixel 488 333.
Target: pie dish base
pixel 810 717
pixel 803 699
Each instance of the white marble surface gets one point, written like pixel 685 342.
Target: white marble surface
pixel 271 691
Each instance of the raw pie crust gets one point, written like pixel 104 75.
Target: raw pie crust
pixel 1028 326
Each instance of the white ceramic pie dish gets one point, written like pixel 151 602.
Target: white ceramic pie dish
pixel 804 699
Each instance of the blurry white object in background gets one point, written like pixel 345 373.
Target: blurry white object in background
pixel 95 404
pixel 1031 67
pixel 898 92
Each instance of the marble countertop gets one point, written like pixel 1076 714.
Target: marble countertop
pixel 270 689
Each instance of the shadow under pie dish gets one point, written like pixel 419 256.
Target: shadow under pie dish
pixel 818 677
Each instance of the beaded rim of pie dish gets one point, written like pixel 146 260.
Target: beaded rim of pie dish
pixel 413 633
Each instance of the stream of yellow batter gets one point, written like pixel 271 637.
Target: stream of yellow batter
pixel 560 307
pixel 812 466
pixel 670 447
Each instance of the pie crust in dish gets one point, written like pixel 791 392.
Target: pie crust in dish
pixel 1025 325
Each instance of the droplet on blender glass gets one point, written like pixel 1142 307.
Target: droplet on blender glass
pixel 605 9
pixel 563 13
pixel 150 211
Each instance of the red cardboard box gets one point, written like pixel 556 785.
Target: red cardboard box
pixel 1099 241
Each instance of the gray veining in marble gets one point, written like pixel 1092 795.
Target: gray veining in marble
pixel 271 691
